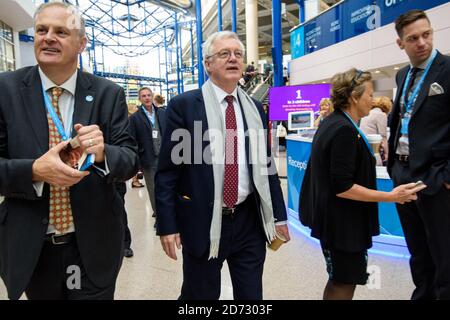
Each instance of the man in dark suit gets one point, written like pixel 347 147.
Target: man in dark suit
pixel 61 231
pixel 215 192
pixel 146 126
pixel 420 145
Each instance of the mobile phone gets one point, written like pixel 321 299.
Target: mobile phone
pixel 418 183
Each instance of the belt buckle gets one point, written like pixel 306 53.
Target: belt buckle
pixel 403 157
pixel 230 211
pixel 55 236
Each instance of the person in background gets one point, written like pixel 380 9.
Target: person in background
pixel 376 123
pixel 135 183
pixel 159 101
pixel 338 199
pixel 419 149
pixel 285 76
pixel 326 108
pixel 147 126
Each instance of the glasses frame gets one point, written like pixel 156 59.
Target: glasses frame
pixel 228 55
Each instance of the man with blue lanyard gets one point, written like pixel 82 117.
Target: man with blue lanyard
pixel 420 141
pixel 146 126
pixel 61 231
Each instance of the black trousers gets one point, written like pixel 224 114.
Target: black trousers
pixel 426 225
pixel 243 246
pixel 122 190
pixel 60 275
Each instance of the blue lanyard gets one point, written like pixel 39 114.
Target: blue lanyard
pixel 360 133
pixel 58 124
pixel 151 116
pixel 416 91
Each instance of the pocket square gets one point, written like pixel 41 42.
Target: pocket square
pixel 435 89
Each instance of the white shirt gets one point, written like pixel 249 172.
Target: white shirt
pixel 66 104
pixel 244 187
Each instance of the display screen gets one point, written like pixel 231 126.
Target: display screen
pixel 296 98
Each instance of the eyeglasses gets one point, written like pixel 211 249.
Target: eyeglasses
pixel 226 54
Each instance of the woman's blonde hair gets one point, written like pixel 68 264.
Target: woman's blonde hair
pixel 345 83
pixel 384 103
pixel 327 101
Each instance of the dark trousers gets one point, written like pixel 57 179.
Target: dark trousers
pixel 121 188
pixel 149 175
pixel 56 276
pixel 243 246
pixel 426 225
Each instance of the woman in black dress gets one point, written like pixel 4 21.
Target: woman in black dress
pixel 339 199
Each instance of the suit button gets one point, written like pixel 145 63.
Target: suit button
pixel 45 221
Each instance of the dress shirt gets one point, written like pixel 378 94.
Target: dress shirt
pixel 403 141
pixel 244 187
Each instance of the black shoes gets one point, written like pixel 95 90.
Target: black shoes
pixel 128 253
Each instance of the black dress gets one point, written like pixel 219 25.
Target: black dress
pixel 339 159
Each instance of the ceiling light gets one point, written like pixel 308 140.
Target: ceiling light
pixel 396 68
pixel 377 71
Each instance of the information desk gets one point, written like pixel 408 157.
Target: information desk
pixel 390 241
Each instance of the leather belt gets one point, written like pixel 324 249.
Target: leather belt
pixel 231 211
pixel 58 239
pixel 402 157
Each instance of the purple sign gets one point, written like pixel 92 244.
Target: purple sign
pixel 296 98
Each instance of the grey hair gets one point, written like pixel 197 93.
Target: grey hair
pixel 78 23
pixel 207 46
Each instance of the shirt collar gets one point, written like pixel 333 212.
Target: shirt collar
pixel 424 64
pixel 70 84
pixel 221 94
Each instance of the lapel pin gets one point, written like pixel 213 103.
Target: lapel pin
pixel 359 136
pixel 89 98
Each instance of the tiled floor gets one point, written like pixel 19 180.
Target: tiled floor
pixel 295 271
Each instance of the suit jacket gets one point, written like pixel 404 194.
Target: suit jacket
pixel 96 206
pixel 141 130
pixel 184 193
pixel 429 128
pixel 339 159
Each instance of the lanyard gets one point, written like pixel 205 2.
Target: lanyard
pixel 360 133
pixel 416 91
pixel 58 124
pixel 151 116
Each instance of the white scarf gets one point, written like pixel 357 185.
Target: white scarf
pixel 258 158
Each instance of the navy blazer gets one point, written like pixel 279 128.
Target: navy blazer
pixel 429 128
pixel 141 130
pixel 185 192
pixel 96 206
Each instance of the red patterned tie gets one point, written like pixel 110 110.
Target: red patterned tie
pixel 231 179
pixel 60 210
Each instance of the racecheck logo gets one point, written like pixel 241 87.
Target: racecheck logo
pixel 301 165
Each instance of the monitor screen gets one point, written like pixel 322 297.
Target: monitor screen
pixel 287 99
pixel 300 120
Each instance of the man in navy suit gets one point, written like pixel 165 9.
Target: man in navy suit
pixel 420 145
pixel 217 194
pixel 61 231
pixel 146 126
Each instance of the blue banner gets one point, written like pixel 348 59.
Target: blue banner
pixel 297 43
pixel 352 18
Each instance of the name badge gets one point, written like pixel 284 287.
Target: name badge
pixel 155 134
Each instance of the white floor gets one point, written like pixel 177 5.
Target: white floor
pixel 295 271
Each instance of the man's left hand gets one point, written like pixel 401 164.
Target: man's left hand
pixel 283 231
pixel 91 139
